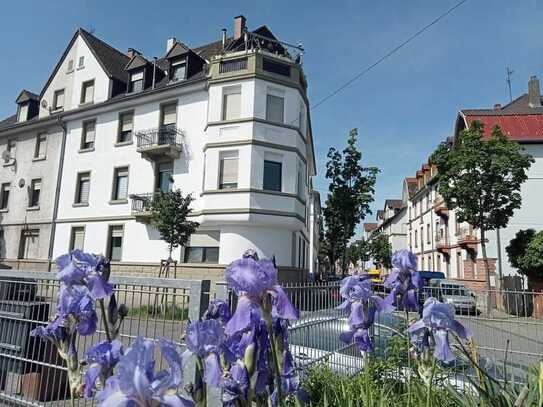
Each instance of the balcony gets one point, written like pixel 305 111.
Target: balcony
pixel 160 143
pixel 442 244
pixel 467 238
pixel 141 207
pixel 440 207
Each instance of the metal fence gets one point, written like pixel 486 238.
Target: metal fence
pixel 509 339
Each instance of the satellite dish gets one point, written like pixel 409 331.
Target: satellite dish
pixel 21 182
pixel 6 156
pixel 44 103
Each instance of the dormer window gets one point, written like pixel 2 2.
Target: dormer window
pixel 23 112
pixel 179 70
pixel 136 81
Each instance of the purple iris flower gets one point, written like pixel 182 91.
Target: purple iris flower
pixel 135 382
pixel 101 358
pixel 58 334
pixel 219 310
pixel 404 280
pixel 252 280
pixel 80 268
pixel 235 385
pixel 362 304
pixel 436 323
pixel 77 302
pixel 205 339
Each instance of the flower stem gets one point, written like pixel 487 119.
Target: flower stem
pixel 105 320
pixel 430 384
pixel 276 365
pixel 408 361
pixel 200 373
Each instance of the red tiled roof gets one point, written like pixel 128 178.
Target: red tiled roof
pixel 368 227
pixel 527 127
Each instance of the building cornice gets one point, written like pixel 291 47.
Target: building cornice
pixel 252 190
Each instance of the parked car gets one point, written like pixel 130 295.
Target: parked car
pixel 451 292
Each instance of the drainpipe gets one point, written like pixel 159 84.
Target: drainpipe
pixel 311 235
pixel 62 125
pixel 154 72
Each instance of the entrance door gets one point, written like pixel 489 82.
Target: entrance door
pixel 164 177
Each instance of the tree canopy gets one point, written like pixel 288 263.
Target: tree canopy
pixel 169 212
pixel 381 249
pixel 525 252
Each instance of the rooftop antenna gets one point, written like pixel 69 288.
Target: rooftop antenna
pixel 509 72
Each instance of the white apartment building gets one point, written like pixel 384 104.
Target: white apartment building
pixel 392 222
pixel 227 122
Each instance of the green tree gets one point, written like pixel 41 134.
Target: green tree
pixel 381 249
pixel 481 179
pixel 350 193
pixel 169 212
pixel 525 252
pixel 358 251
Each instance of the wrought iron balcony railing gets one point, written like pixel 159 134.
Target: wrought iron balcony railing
pixel 164 140
pixel 141 205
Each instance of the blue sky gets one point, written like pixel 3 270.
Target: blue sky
pixel 402 108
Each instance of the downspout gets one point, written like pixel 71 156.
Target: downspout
pixel 311 235
pixel 62 125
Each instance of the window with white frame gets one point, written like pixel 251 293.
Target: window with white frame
pixel 30 244
pixel 77 238
pixel 87 92
pixel 23 112
pixel 34 193
pixel 88 135
pixel 273 171
pixel 120 184
pixel 4 195
pixel 275 106
pixel 81 63
pixel 115 243
pixel 11 149
pixel 41 144
pixel 231 105
pixel 300 183
pixel 70 66
pixel 168 115
pixel 58 99
pixel 136 81
pixel 203 247
pixel 126 127
pixel 179 70
pixel 228 169
pixel 82 188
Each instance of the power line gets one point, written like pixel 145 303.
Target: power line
pixel 389 54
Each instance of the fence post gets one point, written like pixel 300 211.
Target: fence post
pixel 198 298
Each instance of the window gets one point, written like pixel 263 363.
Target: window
pixel 81 62
pixel 438 263
pixel 428 234
pixel 34 193
pixel 168 115
pixel 82 188
pixel 179 70
pixel 70 66
pixel 459 265
pixel 30 243
pixel 4 195
pixel 89 132
pixel 87 92
pixel 228 169
pixel 23 112
pixel 58 99
pixel 300 182
pixel 11 149
pixel 164 179
pixel 120 184
pixel 201 254
pixel 416 239
pixel 126 126
pixel 115 243
pixel 77 238
pixel 275 108
pixel 275 67
pixel 272 175
pixel 136 82
pixel 41 143
pixel 231 107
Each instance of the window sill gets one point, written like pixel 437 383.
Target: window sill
pixel 123 143
pixel 86 104
pixel 4 210
pixel 118 201
pixel 80 204
pixel 38 158
pixel 86 150
pixel 9 164
pixel 33 208
pixel 70 71
pixel 80 67
pixel 57 110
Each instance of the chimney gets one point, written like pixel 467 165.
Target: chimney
pixel 534 96
pixel 223 37
pixel 497 106
pixel 170 43
pixel 239 26
pixel 131 52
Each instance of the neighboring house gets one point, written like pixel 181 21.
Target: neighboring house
pixel 434 235
pixel 368 230
pixel 393 223
pixel 227 122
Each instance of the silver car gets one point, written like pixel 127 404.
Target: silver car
pixel 454 293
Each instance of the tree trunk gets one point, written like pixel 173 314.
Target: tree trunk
pixel 487 272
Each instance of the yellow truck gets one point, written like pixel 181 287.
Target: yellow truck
pixel 375 275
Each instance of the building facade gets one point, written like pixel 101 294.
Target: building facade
pixel 227 122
